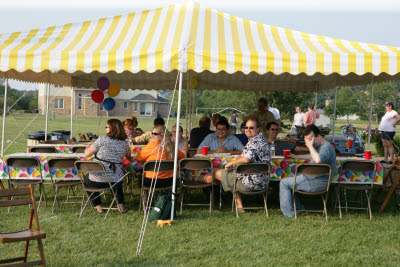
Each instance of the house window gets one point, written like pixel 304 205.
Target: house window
pixel 101 106
pixel 79 101
pixel 145 109
pixel 126 104
pixel 59 103
pixel 135 109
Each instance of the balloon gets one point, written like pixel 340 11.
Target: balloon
pixel 216 162
pixel 284 164
pixel 114 90
pixel 97 96
pixel 195 83
pixel 103 83
pixel 109 103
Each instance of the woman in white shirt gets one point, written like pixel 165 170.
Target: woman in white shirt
pixel 388 130
pixel 298 119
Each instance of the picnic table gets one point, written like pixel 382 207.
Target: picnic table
pixel 282 168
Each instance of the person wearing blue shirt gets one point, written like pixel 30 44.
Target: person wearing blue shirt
pixel 221 141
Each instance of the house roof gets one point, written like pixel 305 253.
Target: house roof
pixel 149 98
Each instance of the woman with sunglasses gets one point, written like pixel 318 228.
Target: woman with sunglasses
pixel 110 150
pixel 154 150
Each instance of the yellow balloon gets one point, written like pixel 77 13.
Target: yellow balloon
pixel 195 83
pixel 114 90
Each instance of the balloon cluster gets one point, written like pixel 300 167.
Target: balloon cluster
pixel 98 95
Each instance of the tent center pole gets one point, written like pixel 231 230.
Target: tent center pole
pixel 178 117
pixel 315 105
pixel 4 116
pixel 47 110
pixel 370 117
pixel 72 109
pixel 334 116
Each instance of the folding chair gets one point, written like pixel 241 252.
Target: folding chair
pixel 356 166
pixel 394 177
pixel 24 235
pixel 85 168
pixel 62 164
pixel 161 166
pixel 47 149
pixel 313 170
pixel 192 152
pixel 55 142
pixel 248 169
pixel 78 149
pixel 26 162
pixel 187 165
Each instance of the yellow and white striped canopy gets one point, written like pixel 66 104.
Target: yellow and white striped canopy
pixel 146 50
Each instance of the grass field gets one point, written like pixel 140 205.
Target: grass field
pixel 195 238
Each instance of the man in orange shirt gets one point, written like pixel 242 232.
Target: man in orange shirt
pixel 309 116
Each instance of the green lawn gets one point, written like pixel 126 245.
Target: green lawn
pixel 195 238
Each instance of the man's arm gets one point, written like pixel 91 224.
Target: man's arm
pixel 397 116
pixel 313 151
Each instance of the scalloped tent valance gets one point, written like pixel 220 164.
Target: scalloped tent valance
pixel 145 50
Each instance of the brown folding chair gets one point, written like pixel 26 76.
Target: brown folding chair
pixel 63 164
pixel 85 168
pixel 44 149
pixel 31 233
pixel 26 162
pixel 248 169
pixel 78 149
pixel 55 142
pixel 192 152
pixel 391 183
pixel 356 166
pixel 160 166
pixel 313 170
pixel 185 167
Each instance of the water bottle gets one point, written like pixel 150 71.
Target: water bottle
pixel 272 150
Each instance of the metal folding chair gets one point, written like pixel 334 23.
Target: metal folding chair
pixel 26 162
pixel 63 164
pixel 356 166
pixel 248 169
pixel 186 166
pixel 31 233
pixel 313 170
pixel 55 142
pixel 78 149
pixel 44 149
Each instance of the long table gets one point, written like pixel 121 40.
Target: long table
pixel 282 168
pixel 62 174
pixel 68 148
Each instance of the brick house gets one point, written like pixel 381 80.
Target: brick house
pixel 138 103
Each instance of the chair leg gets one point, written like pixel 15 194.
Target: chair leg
pixel 41 253
pixel 325 212
pixel 211 199
pixel 369 204
pixel 236 207
pixel 182 196
pixel 111 205
pixel 265 204
pixel 84 207
pixel 345 199
pixel 294 206
pixel 26 250
pixel 55 198
pixel 220 196
pixel 340 206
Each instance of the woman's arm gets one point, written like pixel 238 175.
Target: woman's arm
pixel 90 151
pixel 397 116
pixel 185 146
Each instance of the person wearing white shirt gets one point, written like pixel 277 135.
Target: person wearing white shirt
pixel 276 113
pixel 298 119
pixel 388 130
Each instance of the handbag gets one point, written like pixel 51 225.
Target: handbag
pixel 162 209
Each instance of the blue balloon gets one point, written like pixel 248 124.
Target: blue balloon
pixel 109 103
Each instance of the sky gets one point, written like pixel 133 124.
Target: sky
pixel 371 21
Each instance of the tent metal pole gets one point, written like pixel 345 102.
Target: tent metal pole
pixel 4 116
pixel 315 105
pixel 370 117
pixel 191 114
pixel 72 109
pixel 334 116
pixel 47 110
pixel 178 117
pixel 187 108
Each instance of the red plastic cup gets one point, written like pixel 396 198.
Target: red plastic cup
pixel 286 154
pixel 367 154
pixel 205 150
pixel 349 143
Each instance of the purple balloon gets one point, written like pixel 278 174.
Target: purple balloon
pixel 103 83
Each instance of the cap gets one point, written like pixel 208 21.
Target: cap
pixel 389 103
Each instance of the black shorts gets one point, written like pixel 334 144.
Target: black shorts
pixel 387 135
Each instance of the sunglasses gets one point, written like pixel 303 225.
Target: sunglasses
pixel 155 133
pixel 107 127
pixel 250 128
pixel 274 130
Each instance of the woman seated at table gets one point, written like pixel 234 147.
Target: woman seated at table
pixel 183 143
pixel 134 127
pixel 154 151
pixel 255 151
pixel 110 150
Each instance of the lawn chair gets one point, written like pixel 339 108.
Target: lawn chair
pixel 313 170
pixel 394 177
pixel 161 166
pixel 85 168
pixel 187 165
pixel 58 164
pixel 47 149
pixel 248 169
pixel 26 162
pixel 24 235
pixel 356 166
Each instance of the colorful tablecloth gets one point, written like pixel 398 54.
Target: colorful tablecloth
pixel 61 174
pixel 68 148
pixel 282 168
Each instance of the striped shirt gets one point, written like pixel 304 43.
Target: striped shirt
pixel 231 143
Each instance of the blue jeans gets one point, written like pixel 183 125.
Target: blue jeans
pixel 303 183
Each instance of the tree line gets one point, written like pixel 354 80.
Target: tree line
pixel 27 100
